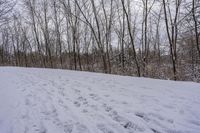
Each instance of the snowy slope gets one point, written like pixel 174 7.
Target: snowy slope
pixel 61 101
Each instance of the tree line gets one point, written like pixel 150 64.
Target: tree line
pixel 144 38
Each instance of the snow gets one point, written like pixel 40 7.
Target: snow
pixel 60 101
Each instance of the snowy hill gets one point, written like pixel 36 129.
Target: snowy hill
pixel 61 101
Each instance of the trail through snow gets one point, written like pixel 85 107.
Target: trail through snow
pixel 60 101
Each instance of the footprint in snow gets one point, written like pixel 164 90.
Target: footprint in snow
pixel 82 100
pixel 84 111
pixel 44 84
pixel 68 128
pixel 77 104
pixel 39 129
pixel 104 129
pixel 168 106
pixel 77 91
pixel 23 90
pixel 142 116
pixel 127 124
pixel 27 102
pixel 106 95
pixel 107 108
pixel 60 101
pixel 154 130
pixel 95 107
pixel 94 97
pixel 196 123
pixel 133 127
pixel 124 102
pixel 80 128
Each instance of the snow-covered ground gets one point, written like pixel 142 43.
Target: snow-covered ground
pixel 61 101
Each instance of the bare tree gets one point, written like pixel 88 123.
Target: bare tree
pixel 131 38
pixel 6 6
pixel 56 12
pixel 194 8
pixel 172 31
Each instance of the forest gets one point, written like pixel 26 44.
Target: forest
pixel 143 38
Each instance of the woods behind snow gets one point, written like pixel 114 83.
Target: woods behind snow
pixel 149 38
